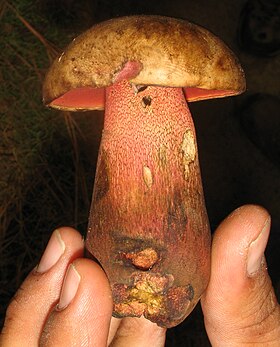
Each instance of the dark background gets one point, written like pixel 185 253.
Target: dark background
pixel 47 159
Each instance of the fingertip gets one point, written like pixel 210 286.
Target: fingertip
pixel 71 236
pixel 73 241
pixel 239 302
pixel 87 290
pixel 65 243
pixel 86 300
pixel 94 285
pixel 245 221
pixel 249 211
pixel 230 247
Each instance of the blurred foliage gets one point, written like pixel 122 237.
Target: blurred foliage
pixel 42 182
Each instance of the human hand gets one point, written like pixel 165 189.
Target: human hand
pixel 240 307
pixel 239 304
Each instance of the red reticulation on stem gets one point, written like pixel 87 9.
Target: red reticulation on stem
pixel 148 201
pixel 143 132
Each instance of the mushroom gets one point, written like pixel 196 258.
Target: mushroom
pixel 148 225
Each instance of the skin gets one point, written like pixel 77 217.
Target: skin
pixel 239 305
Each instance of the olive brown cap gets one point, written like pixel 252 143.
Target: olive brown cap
pixel 146 50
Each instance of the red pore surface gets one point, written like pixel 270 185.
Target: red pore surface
pixel 84 98
pixel 89 98
pixel 196 94
pixel 148 224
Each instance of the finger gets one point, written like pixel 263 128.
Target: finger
pixel 239 305
pixel 84 311
pixel 40 291
pixel 114 326
pixel 139 332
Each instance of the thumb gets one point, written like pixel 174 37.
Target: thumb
pixel 239 305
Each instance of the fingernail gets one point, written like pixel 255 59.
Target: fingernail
pixel 53 252
pixel 69 287
pixel 255 255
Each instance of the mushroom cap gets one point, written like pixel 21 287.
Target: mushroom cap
pixel 146 50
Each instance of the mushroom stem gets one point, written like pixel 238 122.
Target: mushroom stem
pixel 148 205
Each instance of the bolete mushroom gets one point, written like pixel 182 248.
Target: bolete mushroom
pixel 148 225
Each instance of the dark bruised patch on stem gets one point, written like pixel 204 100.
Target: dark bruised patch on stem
pixel 178 300
pixel 101 185
pixel 146 101
pixel 176 213
pixel 140 88
pixel 129 244
pixel 162 156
